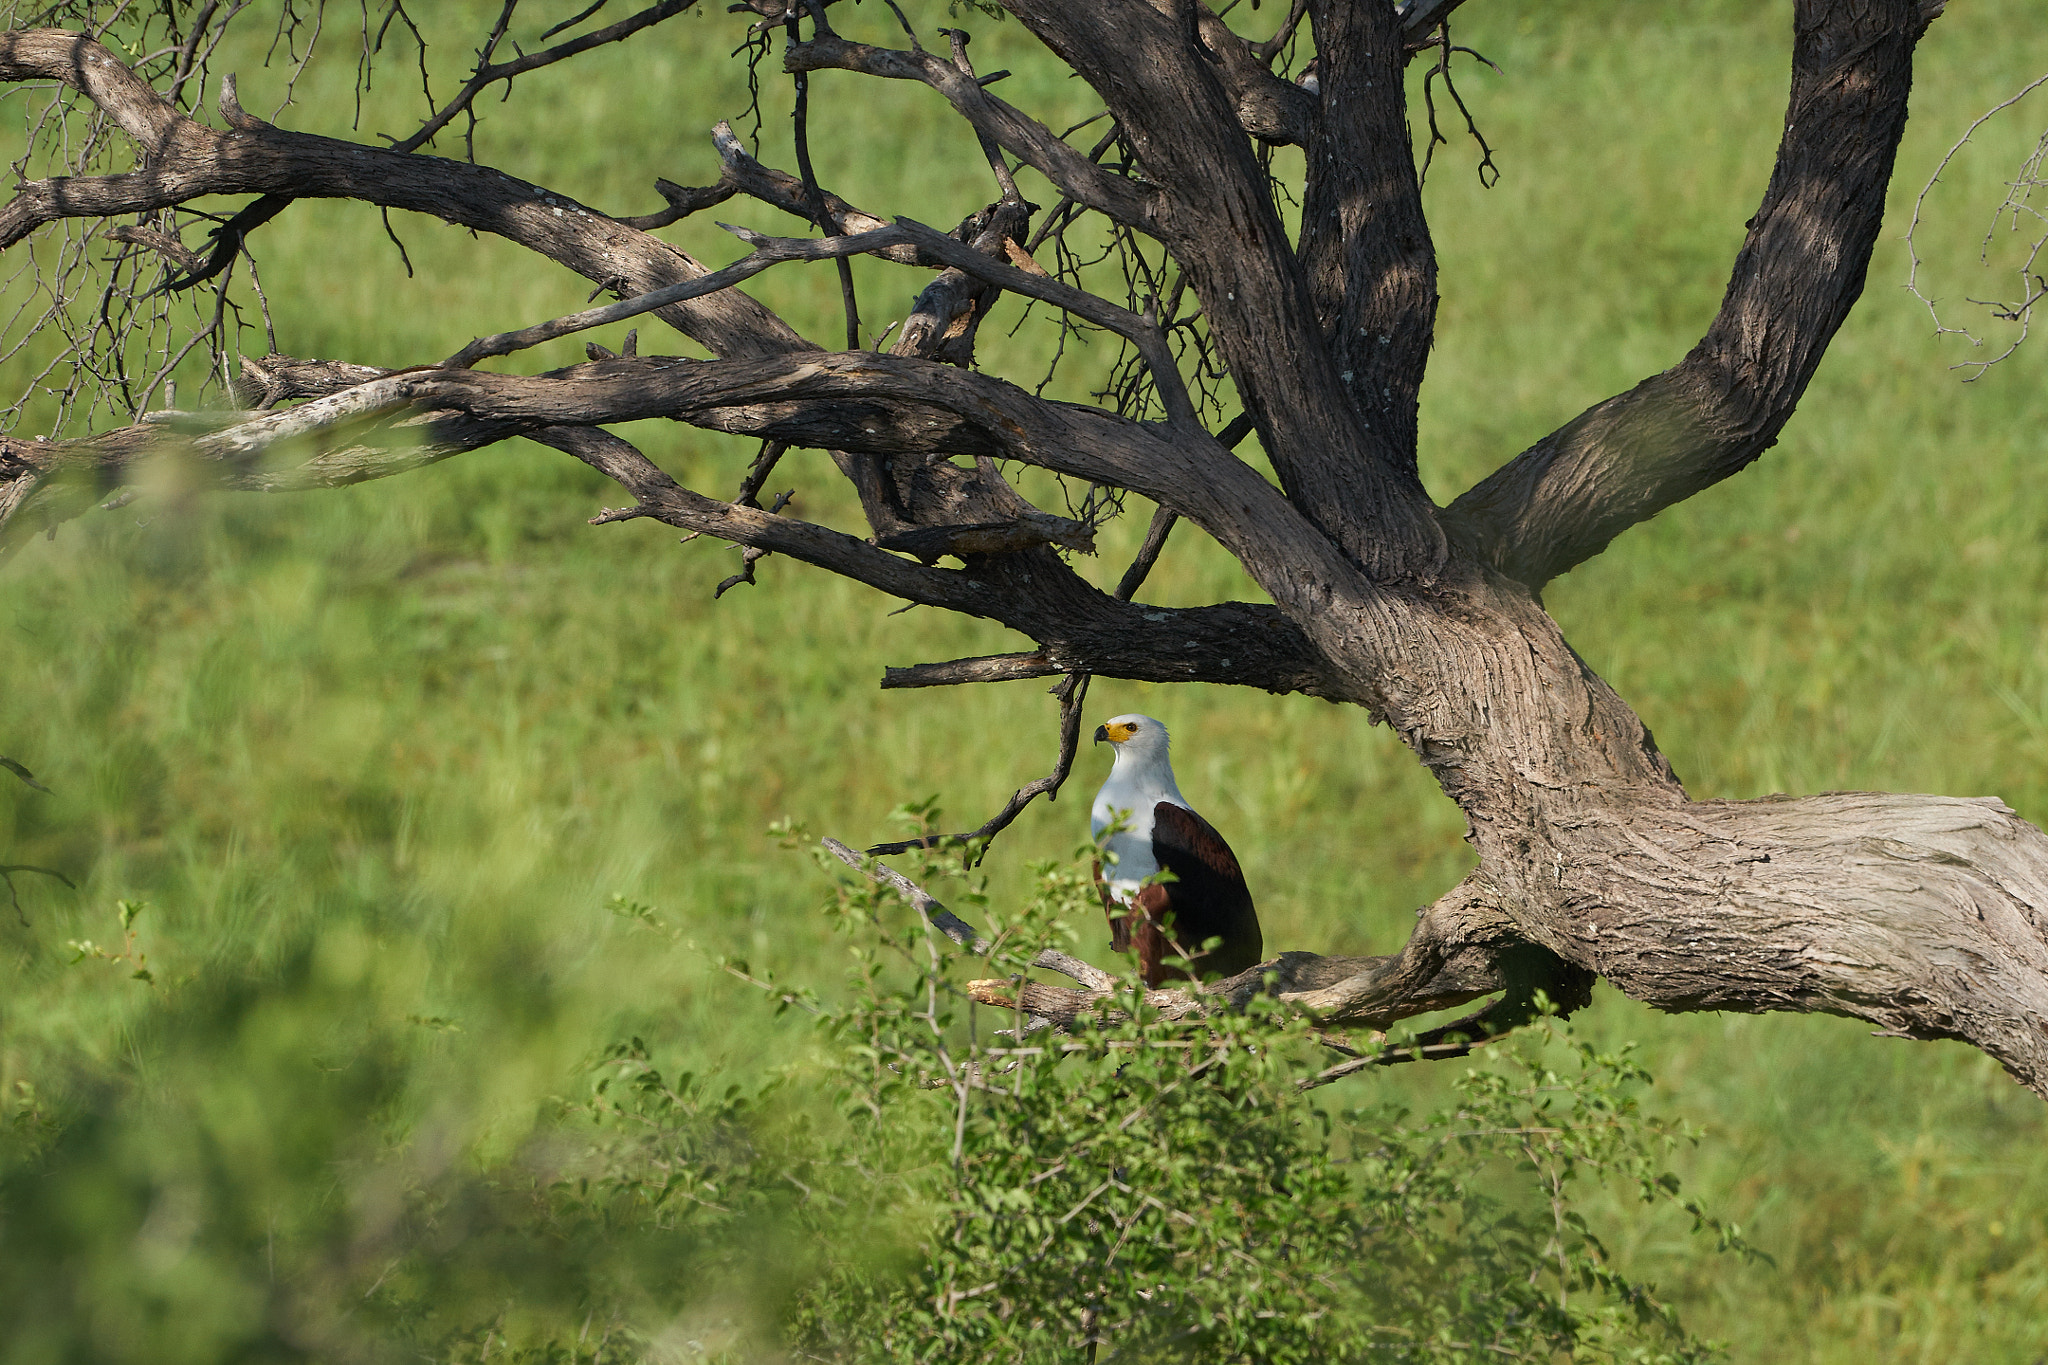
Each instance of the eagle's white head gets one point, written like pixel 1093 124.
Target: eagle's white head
pixel 1140 778
pixel 1138 741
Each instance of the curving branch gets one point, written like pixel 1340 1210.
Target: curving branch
pixel 190 159
pixel 1799 271
pixel 76 60
pixel 862 402
pixel 1451 978
pixel 1073 696
pixel 367 424
pixel 1925 915
pixel 683 200
pixel 228 238
pixel 1077 177
pixel 183 159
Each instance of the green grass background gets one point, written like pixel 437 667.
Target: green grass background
pixel 377 758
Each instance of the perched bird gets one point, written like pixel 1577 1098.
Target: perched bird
pixel 1206 898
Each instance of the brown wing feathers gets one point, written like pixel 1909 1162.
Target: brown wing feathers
pixel 1207 898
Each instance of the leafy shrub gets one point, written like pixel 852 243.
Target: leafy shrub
pixel 1144 1189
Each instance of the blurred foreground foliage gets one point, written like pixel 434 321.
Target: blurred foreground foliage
pixel 933 1182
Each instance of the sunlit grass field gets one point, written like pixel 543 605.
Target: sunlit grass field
pixel 375 761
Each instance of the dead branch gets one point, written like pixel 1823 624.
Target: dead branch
pixel 956 672
pixel 957 929
pixel 1073 693
pixel 184 160
pixel 1923 915
pixel 2032 286
pixel 1022 136
pixel 682 202
pixel 767 252
pixel 489 73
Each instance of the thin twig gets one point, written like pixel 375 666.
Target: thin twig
pixel 1270 49
pixel 1489 174
pixel 958 37
pixel 750 555
pixel 768 251
pixel 770 455
pixel 8 870
pixel 821 213
pixel 1488 1024
pixel 2027 180
pixel 1072 693
pixel 488 73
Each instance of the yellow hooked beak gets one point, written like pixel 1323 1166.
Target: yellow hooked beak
pixel 1115 733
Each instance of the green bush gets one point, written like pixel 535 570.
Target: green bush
pixel 943 1183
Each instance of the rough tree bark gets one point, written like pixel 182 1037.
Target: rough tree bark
pixel 1921 914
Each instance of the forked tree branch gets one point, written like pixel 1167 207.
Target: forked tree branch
pixel 780 189
pixel 191 159
pixel 229 236
pixel 1925 915
pixel 1921 914
pixel 1073 695
pixel 1800 270
pixel 187 159
pixel 1217 218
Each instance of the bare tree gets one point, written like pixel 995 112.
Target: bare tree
pixel 1921 914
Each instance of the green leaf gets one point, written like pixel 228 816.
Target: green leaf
pixel 23 773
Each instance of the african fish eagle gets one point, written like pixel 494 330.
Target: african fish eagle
pixel 1206 898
